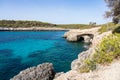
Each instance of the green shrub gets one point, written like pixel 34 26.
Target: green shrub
pixel 84 69
pixel 116 30
pixel 89 65
pixel 103 58
pixel 108 50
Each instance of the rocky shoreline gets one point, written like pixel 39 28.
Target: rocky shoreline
pixel 85 34
pixel 74 73
pixel 33 29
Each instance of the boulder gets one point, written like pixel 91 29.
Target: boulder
pixel 43 71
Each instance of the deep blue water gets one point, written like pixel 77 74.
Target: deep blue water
pixel 22 49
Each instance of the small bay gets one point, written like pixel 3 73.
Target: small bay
pixel 23 49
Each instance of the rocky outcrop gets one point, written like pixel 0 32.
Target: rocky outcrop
pixel 43 71
pixel 103 72
pixel 76 35
pixel 87 39
pixel 76 64
pixel 58 74
pixel 74 73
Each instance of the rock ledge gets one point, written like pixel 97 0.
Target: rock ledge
pixel 43 71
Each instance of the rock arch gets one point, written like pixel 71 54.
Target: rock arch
pixel 77 34
pixel 85 37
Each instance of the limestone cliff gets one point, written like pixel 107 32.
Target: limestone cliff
pixel 101 73
pixel 110 72
pixel 76 34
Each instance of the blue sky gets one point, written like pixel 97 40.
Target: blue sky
pixel 54 11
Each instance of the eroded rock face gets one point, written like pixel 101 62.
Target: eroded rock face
pixel 87 39
pixel 102 73
pixel 74 35
pixel 43 71
pixel 76 64
pixel 58 74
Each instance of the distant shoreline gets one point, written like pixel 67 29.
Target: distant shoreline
pixel 32 29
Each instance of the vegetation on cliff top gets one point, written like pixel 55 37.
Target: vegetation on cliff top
pixel 106 52
pixel 108 26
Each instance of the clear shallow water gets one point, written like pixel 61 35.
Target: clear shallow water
pixel 22 49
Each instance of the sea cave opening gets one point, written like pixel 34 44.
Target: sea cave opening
pixel 80 38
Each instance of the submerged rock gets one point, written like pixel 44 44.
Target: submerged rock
pixel 43 71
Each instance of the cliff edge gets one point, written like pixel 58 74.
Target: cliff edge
pixel 102 72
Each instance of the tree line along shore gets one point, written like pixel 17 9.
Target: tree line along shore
pixel 28 24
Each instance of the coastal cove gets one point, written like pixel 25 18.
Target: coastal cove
pixel 23 49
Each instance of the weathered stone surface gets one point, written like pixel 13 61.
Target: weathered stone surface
pixel 74 35
pixel 100 74
pixel 43 71
pixel 87 39
pixel 58 74
pixel 76 64
pixel 104 72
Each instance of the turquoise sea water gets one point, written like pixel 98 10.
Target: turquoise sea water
pixel 22 49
